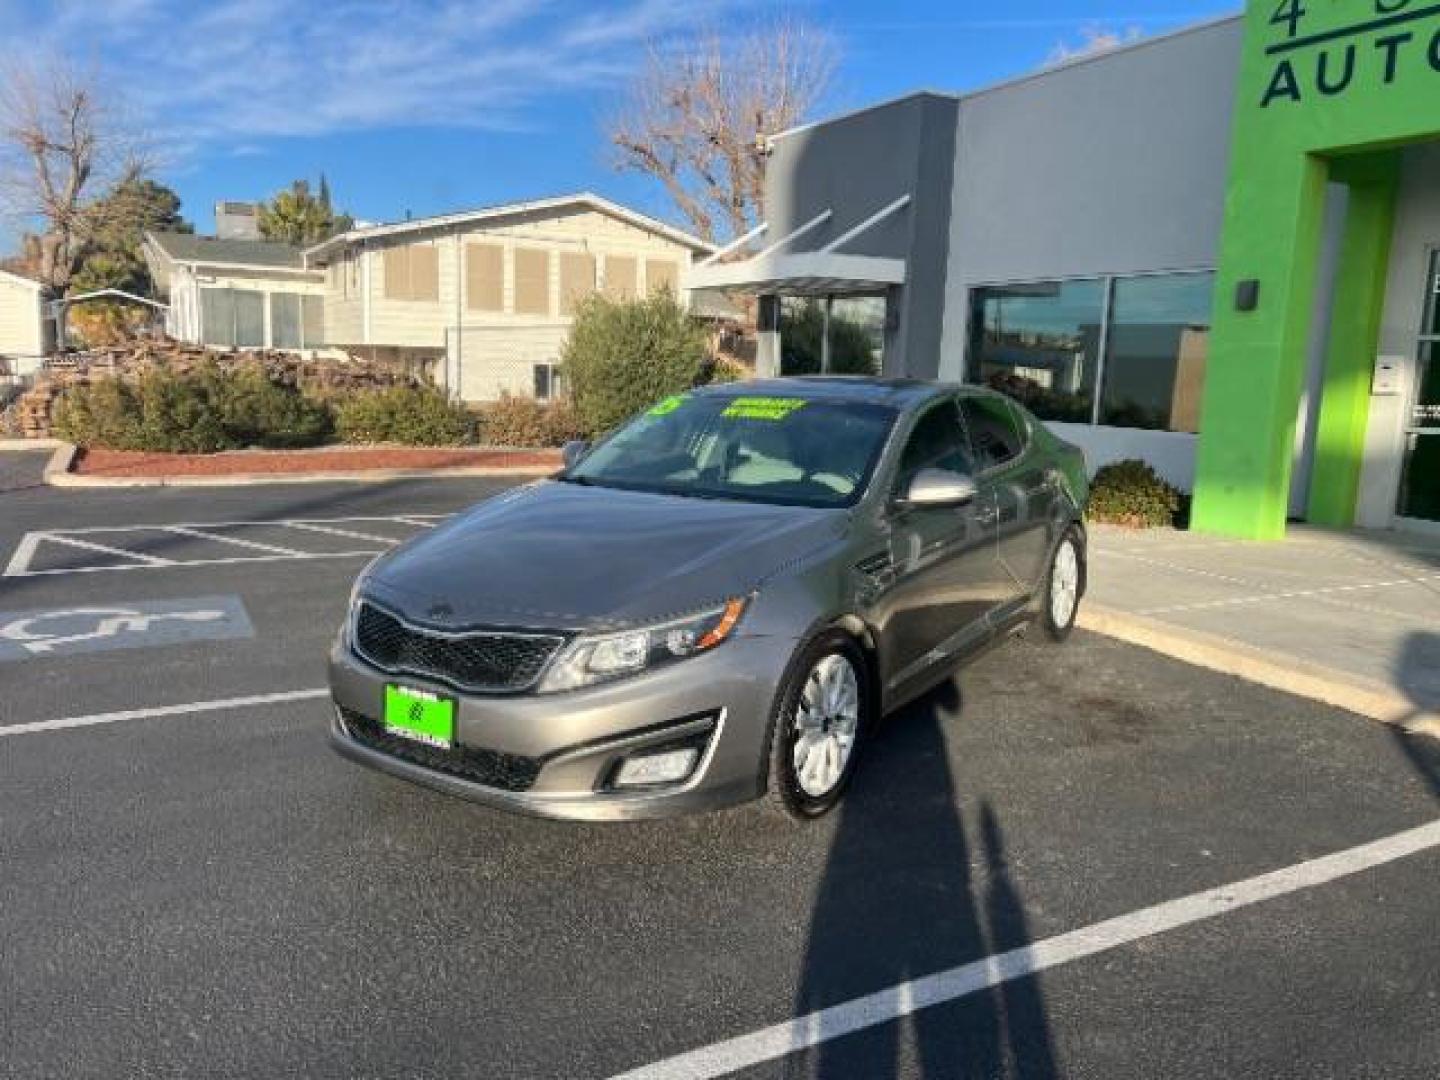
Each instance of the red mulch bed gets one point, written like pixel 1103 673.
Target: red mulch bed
pixel 96 462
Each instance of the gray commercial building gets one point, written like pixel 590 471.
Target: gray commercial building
pixel 1058 236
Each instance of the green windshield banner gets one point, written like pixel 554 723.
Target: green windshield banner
pixel 762 408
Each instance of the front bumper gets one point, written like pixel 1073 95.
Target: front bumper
pixel 562 749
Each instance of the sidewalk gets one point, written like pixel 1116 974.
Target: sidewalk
pixel 1349 617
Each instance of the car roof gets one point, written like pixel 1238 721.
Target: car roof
pixel 896 393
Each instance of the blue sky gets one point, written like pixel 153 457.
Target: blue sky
pixel 433 105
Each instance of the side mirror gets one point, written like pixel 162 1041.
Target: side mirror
pixel 939 487
pixel 574 450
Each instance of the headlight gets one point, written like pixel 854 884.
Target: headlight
pixel 593 659
pixel 355 591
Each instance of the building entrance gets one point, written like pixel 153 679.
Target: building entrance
pixel 1419 496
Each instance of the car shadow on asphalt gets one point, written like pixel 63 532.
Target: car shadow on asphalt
pixel 912 888
pixel 1417 671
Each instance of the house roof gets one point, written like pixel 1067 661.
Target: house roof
pixel 209 251
pixel 23 279
pixel 585 199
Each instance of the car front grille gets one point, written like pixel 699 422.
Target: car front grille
pixel 508 772
pixel 483 661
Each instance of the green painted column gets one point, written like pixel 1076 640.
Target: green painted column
pixel 1319 83
pixel 1354 335
pixel 1257 358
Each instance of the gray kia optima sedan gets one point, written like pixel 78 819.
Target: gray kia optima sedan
pixel 715 603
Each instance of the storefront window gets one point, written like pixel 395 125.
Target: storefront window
pixel 857 334
pixel 1159 340
pixel 1039 343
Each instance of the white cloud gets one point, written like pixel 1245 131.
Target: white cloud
pixel 239 72
pixel 1094 39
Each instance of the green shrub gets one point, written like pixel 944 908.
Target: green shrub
pixel 103 413
pixel 1133 494
pixel 178 415
pixel 258 412
pixel 622 357
pixel 159 412
pixel 415 416
pixel 524 421
pixel 200 411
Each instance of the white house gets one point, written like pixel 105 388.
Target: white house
pixel 237 293
pixel 26 336
pixel 484 298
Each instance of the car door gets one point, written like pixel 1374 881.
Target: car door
pixel 1023 482
pixel 945 562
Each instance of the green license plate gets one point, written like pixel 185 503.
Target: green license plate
pixel 420 715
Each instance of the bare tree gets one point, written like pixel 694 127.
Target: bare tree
pixel 63 142
pixel 697 117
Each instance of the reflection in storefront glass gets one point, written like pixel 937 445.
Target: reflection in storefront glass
pixel 1039 344
pixel 1158 345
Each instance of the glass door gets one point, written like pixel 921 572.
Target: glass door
pixel 1420 481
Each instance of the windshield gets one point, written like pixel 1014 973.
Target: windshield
pixel 759 449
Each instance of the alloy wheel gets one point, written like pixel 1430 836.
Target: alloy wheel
pixel 1064 584
pixel 825 724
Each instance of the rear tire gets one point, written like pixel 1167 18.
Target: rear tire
pixel 821 718
pixel 1064 586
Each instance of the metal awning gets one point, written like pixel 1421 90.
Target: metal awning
pixel 811 273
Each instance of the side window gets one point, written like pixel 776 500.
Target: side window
pixel 937 442
pixel 995 431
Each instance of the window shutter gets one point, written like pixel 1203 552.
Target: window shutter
pixel 424 272
pixel 620 277
pixel 577 279
pixel 397 273
pixel 485 277
pixel 532 282
pixel 662 274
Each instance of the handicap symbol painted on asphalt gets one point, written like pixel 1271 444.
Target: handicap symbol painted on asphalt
pixel 142 624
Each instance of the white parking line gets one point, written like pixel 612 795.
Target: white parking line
pixel 235 541
pixel 90 545
pixel 310 526
pixel 246 559
pixel 248 702
pixel 895 1002
pixel 33 544
pixel 24 552
pixel 1293 594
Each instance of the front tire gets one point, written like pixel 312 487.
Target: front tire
pixel 1064 585
pixel 822 715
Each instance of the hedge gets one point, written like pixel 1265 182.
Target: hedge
pixel 523 421
pixel 416 416
pixel 1133 494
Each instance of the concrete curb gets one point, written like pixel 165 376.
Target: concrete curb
pixel 58 474
pixel 7 445
pixel 57 469
pixel 1277 671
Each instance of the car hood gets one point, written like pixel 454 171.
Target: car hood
pixel 565 556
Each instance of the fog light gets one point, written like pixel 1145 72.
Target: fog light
pixel 665 767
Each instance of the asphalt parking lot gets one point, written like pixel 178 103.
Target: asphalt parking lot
pixel 193 889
